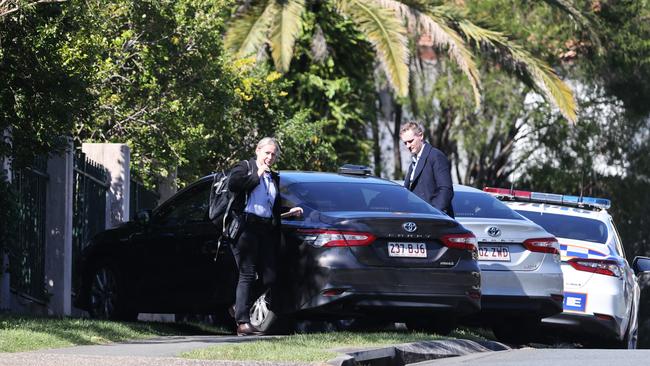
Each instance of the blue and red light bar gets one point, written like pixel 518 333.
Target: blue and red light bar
pixel 560 199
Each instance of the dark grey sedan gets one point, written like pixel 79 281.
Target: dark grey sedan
pixel 364 247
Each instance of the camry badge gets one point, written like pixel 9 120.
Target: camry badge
pixel 409 226
pixel 493 231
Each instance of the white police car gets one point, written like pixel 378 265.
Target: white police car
pixel 601 293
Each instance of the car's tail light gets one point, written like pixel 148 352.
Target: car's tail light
pixel 543 245
pixel 335 238
pixel 465 241
pixel 600 266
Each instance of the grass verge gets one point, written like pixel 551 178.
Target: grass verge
pixel 27 333
pixel 317 347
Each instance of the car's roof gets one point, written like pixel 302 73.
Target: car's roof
pixel 289 176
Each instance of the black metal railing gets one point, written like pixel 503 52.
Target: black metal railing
pixel 27 253
pixel 88 203
pixel 141 198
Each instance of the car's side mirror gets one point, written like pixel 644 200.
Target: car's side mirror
pixel 641 265
pixel 143 217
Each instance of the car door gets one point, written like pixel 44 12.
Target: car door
pixel 182 243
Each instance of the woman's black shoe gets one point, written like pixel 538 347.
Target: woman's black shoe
pixel 246 329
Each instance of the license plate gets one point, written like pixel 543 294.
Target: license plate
pixel 493 253
pixel 409 250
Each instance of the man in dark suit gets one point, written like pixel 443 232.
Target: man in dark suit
pixel 429 174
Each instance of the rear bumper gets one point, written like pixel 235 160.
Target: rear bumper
pixel 583 326
pixel 393 306
pixel 531 306
pixel 536 293
pixel 384 291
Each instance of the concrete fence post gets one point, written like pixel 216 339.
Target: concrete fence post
pixel 116 158
pixel 58 231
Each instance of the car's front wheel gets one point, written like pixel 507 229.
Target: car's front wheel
pixel 268 321
pixel 107 295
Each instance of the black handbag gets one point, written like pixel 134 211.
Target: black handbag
pixel 235 226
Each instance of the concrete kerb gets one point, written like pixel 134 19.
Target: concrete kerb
pixel 408 353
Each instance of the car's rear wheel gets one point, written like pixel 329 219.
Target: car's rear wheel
pixel 107 295
pixel 267 320
pixel 442 325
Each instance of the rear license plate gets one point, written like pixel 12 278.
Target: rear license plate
pixel 493 253
pixel 409 250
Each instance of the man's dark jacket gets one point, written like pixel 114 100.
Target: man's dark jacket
pixel 432 179
pixel 242 181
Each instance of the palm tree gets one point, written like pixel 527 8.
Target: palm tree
pixel 388 24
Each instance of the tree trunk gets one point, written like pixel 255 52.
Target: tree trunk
pixel 397 174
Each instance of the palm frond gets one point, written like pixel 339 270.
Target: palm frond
pixel 443 37
pixel 538 74
pixel 387 34
pixel 285 28
pixel 247 33
pixel 568 7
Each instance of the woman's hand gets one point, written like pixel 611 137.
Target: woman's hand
pixel 294 211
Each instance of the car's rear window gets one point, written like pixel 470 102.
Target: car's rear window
pixel 327 196
pixel 477 204
pixel 570 227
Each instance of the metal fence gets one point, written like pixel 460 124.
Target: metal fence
pixel 88 203
pixel 141 198
pixel 27 253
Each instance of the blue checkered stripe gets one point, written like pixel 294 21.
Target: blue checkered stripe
pixel 579 252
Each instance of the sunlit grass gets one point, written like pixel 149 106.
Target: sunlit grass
pixel 26 333
pixel 316 347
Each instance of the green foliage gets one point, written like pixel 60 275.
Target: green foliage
pixel 303 147
pixel 160 83
pixel 41 94
pixel 337 90
pixel 625 67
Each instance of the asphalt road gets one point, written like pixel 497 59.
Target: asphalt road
pixel 548 356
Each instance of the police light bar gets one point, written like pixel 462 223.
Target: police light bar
pixel 560 199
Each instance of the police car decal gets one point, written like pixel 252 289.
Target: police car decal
pixel 576 251
pixel 574 301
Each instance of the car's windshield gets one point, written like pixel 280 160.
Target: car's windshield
pixel 570 227
pixel 477 204
pixel 336 196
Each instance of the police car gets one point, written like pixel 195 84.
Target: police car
pixel 601 293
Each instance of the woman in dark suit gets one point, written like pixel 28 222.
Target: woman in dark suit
pixel 257 202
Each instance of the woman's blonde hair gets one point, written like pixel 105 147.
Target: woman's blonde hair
pixel 268 141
